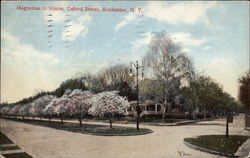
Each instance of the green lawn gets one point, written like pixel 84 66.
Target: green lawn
pixel 90 128
pixel 4 139
pixel 9 148
pixel 17 155
pixel 115 131
pixel 218 142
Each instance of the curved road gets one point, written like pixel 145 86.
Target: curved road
pixel 164 142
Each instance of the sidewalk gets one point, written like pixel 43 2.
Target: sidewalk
pixel 244 150
pixel 165 124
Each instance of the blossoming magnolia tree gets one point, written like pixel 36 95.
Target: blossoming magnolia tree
pixel 61 107
pixel 79 103
pixel 5 110
pixel 24 110
pixel 58 106
pixel 106 104
pixel 38 105
pixel 50 109
pixel 15 110
pixel 72 103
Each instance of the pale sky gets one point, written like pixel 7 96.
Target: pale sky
pixel 215 35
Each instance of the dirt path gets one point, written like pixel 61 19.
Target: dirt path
pixel 164 142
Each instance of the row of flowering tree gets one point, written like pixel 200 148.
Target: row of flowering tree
pixel 72 103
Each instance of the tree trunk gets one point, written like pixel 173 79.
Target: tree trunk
pixel 204 114
pixel 165 108
pixel 33 118
pixel 80 119
pixel 61 118
pixel 110 123
pixel 49 118
pixel 164 113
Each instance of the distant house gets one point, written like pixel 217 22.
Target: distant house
pixel 148 108
pixel 152 108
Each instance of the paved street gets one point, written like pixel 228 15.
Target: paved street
pixel 164 142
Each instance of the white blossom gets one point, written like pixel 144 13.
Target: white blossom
pixel 38 105
pixel 25 110
pixel 5 110
pixel 15 110
pixel 108 103
pixel 79 102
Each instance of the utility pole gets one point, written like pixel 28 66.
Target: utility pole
pixel 138 109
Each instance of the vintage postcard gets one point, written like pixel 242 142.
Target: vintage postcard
pixel 125 79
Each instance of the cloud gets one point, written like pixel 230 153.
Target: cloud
pixel 140 42
pixel 77 27
pixel 22 52
pixel 189 13
pixel 179 13
pixel 186 50
pixel 187 39
pixel 57 16
pixel 126 20
pixel 24 69
pixel 207 48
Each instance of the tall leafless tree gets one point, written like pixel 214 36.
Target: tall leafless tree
pixel 166 61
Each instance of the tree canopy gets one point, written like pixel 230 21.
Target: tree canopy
pixel 244 91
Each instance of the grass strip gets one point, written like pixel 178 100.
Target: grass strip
pixel 9 148
pixel 4 139
pixel 17 155
pixel 90 128
pixel 218 143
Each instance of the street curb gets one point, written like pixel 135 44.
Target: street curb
pixel 12 151
pixel 92 133
pixel 8 145
pixel 131 134
pixel 166 124
pixel 208 150
pixel 149 123
pixel 247 128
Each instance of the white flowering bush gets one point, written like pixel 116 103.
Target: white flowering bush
pixel 72 103
pixel 79 103
pixel 108 104
pixel 57 106
pixel 50 109
pixel 38 105
pixel 25 110
pixel 15 110
pixel 5 110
